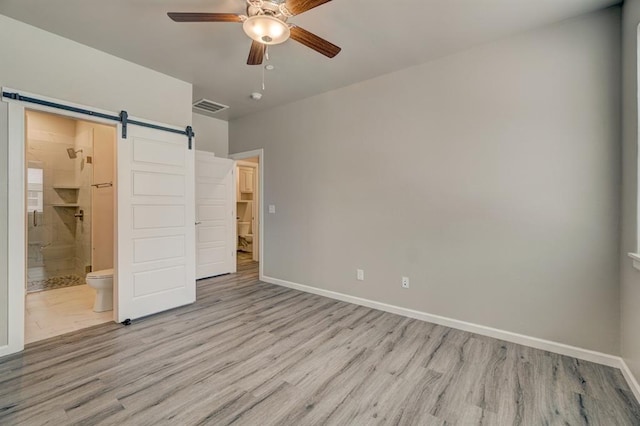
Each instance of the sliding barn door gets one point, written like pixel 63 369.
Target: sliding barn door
pixel 156 223
pixel 215 215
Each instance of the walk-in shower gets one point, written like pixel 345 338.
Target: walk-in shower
pixel 58 195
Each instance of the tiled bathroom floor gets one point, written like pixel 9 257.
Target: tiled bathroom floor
pixel 54 312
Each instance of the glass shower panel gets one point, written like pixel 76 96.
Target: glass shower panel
pixel 55 230
pixel 35 219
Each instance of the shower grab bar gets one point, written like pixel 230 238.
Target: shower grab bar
pixel 103 185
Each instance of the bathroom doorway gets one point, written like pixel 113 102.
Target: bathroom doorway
pixel 70 177
pixel 249 208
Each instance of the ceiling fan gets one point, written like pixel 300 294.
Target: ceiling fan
pixel 266 24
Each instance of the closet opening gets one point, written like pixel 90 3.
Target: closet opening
pixel 250 209
pixel 247 211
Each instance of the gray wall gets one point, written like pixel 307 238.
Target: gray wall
pixel 50 65
pixel 491 178
pixel 212 135
pixel 3 225
pixel 630 283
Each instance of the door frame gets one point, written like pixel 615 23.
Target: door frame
pixel 16 200
pixel 261 183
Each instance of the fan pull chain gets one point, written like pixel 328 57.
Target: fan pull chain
pixel 263 79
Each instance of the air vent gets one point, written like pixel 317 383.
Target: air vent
pixel 208 107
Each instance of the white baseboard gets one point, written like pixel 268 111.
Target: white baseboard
pixel 534 342
pixel 630 378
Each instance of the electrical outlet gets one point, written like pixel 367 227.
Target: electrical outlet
pixel 360 274
pixel 405 282
pixel 272 208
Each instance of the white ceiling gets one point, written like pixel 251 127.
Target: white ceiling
pixel 377 37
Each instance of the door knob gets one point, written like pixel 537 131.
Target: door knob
pixel 198 223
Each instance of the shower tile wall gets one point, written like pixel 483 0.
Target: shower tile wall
pixel 84 178
pixel 56 239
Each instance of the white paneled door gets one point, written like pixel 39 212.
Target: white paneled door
pixel 215 215
pixel 156 215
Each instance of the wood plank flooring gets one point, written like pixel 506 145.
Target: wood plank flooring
pixel 250 353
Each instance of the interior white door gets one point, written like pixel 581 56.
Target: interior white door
pixel 215 215
pixel 156 215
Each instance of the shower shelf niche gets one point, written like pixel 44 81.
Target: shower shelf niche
pixel 68 194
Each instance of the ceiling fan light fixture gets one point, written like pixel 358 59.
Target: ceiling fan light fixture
pixel 266 29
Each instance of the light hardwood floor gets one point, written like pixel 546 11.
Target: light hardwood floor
pixel 251 353
pixel 53 312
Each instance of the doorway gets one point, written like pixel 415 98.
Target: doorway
pixel 70 165
pixel 249 196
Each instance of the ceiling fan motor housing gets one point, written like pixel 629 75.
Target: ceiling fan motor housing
pixel 266 23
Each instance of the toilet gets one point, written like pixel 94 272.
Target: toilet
pixel 245 239
pixel 102 281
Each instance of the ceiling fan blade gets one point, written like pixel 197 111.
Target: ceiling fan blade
pixel 296 7
pixel 204 17
pixel 314 42
pixel 256 54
